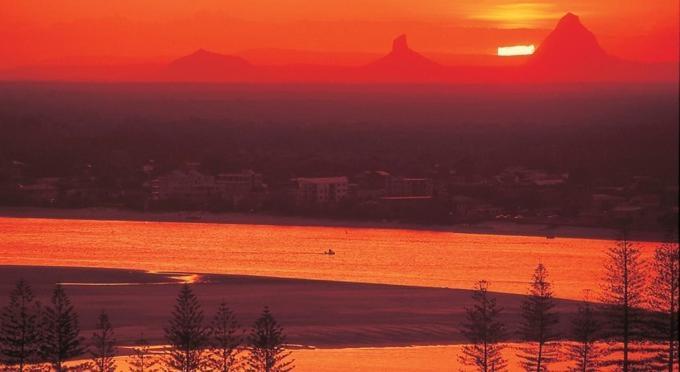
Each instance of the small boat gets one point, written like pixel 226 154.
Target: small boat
pixel 550 236
pixel 329 252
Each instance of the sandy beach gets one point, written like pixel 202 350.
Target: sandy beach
pixel 320 314
pixel 487 227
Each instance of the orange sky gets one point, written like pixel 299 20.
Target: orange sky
pixel 86 31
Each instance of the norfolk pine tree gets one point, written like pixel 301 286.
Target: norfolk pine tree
pixel 266 346
pixel 585 330
pixel 225 340
pixel 623 294
pixel 484 333
pixel 60 339
pixel 663 300
pixel 537 327
pixel 186 334
pixel 103 345
pixel 19 328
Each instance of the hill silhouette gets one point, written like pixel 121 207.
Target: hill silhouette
pixel 403 58
pixel 570 45
pixel 206 65
pixel 401 64
pixel 570 52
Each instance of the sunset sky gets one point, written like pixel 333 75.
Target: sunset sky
pixel 85 31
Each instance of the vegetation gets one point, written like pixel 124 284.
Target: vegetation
pixel 537 328
pixel 624 294
pixel 266 344
pixel 225 341
pixel 664 299
pixel 186 334
pixel 484 332
pixel 60 339
pixel 585 329
pixel 103 346
pixel 141 359
pixel 19 330
pixel 99 157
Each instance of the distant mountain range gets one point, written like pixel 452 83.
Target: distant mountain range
pixel 570 52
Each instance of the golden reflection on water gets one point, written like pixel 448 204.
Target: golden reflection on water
pixel 407 257
pixel 381 359
pixel 396 359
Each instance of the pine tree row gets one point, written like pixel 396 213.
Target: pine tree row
pixel 43 338
pixel 633 328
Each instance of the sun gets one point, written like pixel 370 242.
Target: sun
pixel 516 50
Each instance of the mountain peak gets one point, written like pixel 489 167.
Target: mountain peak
pixel 570 45
pixel 206 65
pixel 404 62
pixel 203 53
pixel 400 44
pixel 571 22
pixel 570 18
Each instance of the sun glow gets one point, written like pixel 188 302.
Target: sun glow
pixel 519 15
pixel 516 50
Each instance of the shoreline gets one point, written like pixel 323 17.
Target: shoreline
pixel 487 227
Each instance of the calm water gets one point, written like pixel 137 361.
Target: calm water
pixel 387 359
pixel 411 257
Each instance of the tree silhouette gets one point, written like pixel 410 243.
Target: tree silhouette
pixel 61 336
pixel 186 333
pixel 103 345
pixel 267 352
pixel 538 323
pixel 225 340
pixel 663 300
pixel 623 292
pixel 484 333
pixel 19 329
pixel 584 351
pixel 141 359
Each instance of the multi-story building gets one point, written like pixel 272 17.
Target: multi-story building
pixel 371 185
pixel 321 191
pixel 185 185
pixel 235 188
pixel 239 183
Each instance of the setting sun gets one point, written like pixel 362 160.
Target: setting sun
pixel 516 50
